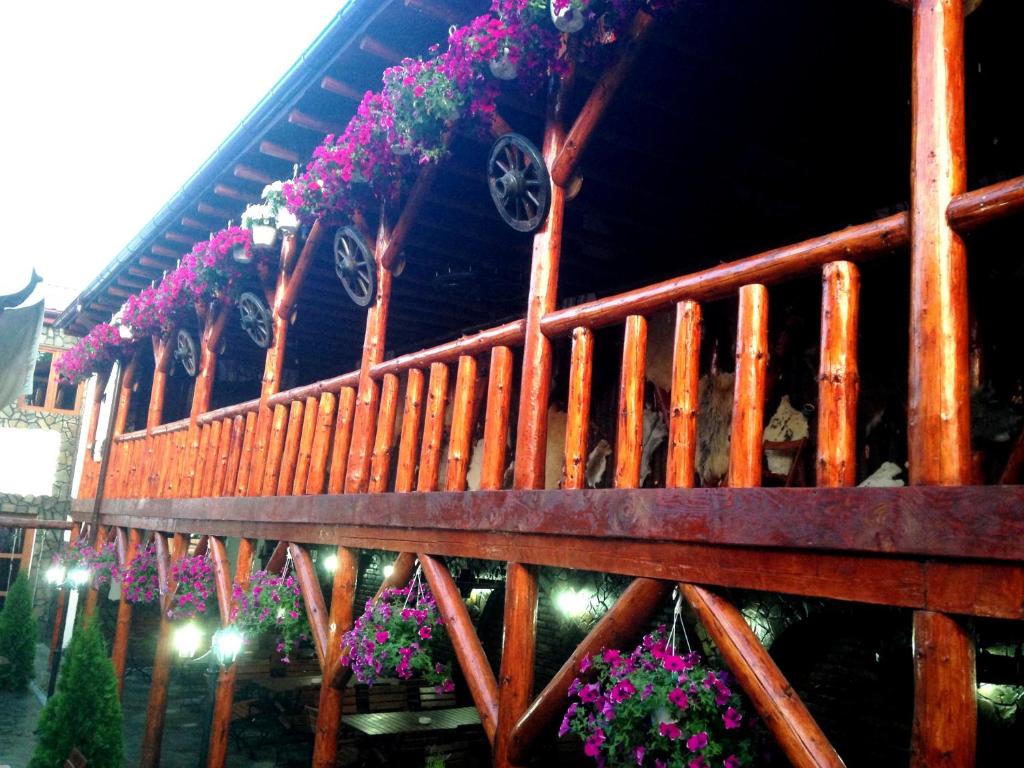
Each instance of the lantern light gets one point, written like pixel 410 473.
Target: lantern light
pixel 79 576
pixel 227 644
pixel 186 640
pixel 388 570
pixel 331 563
pixel 55 574
pixel 572 602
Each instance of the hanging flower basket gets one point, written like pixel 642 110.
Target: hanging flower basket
pixel 140 581
pixel 567 15
pixel 394 638
pixel 656 708
pixel 101 563
pixel 194 576
pixel 272 603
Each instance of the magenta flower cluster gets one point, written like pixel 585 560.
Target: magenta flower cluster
pixel 194 576
pixel 655 708
pixel 404 124
pixel 95 351
pixel 101 561
pixel 394 638
pixel 140 580
pixel 271 603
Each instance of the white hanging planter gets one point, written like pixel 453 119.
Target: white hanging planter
pixel 569 20
pixel 241 254
pixel 503 67
pixel 264 235
pixel 287 221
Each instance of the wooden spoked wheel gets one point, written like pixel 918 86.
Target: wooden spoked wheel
pixel 185 352
pixel 256 319
pixel 355 266
pixel 519 182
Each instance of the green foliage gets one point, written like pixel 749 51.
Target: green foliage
pixel 17 637
pixel 85 713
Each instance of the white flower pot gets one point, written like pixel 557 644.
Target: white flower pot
pixel 264 235
pixel 568 19
pixel 241 254
pixel 287 221
pixel 503 67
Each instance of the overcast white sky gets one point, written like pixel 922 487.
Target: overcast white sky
pixel 110 106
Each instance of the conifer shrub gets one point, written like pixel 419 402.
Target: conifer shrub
pixel 84 713
pixel 17 637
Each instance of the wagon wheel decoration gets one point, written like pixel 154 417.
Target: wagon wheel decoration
pixel 256 320
pixel 185 352
pixel 355 266
pixel 519 182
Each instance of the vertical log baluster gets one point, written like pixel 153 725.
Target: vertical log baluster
pixel 630 433
pixel 433 428
pixel 233 465
pixel 212 459
pixel 499 402
pixel 309 422
pixel 380 464
pixel 682 423
pixel 460 439
pixel 577 423
pixel 223 455
pixel 342 439
pixel 275 449
pixel 245 476
pixel 319 452
pixel 290 451
pixel 410 438
pixel 747 433
pixel 838 379
pixel 200 462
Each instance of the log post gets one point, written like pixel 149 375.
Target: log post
pixel 938 402
pixel 577 422
pixel 217 748
pixel 339 621
pixel 515 680
pixel 358 470
pixel 745 449
pixel 213 330
pixel 630 433
pixel 838 379
pixel 380 465
pixel 433 428
pixel 119 651
pixel 124 394
pixel 305 458
pixel 290 452
pixel 682 422
pixel 152 737
pixel 342 440
pixel 94 592
pixel 316 480
pixel 100 384
pixel 313 598
pixel 162 358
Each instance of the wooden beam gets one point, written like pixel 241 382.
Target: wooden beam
pixel 170 253
pixel 271 149
pixel 620 625
pixel 301 268
pixel 414 203
pixel 472 660
pixel 160 264
pixel 313 597
pixel 601 98
pixel 335 86
pixel 209 210
pixel 129 543
pixel 252 174
pixel 231 193
pixel 375 47
pixel 795 731
pixel 196 224
pixel 302 120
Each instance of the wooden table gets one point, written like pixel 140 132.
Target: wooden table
pixel 287 684
pixel 389 723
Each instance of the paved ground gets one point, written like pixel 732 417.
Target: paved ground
pixel 18 716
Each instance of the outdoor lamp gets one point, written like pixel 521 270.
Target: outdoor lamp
pixel 79 576
pixel 331 563
pixel 227 643
pixel 388 570
pixel 55 574
pixel 186 640
pixel 573 603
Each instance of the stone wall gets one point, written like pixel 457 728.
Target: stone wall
pixel 57 503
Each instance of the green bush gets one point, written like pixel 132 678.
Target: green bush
pixel 17 637
pixel 85 713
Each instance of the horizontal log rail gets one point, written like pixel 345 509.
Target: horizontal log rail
pixel 857 243
pixel 508 335
pixel 952 549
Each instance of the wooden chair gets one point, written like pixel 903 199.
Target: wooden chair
pixel 429 698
